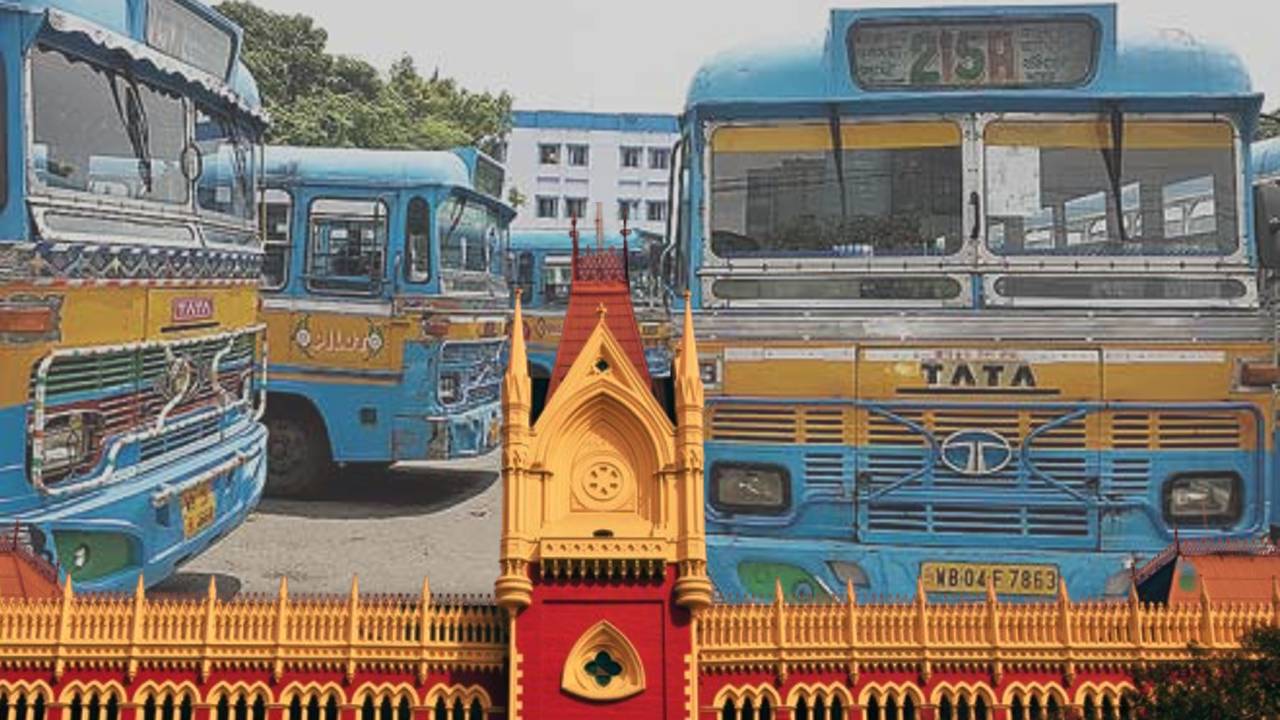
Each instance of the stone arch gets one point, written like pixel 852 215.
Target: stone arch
pixel 609 474
pixel 104 690
pixel 956 691
pixel 92 700
pixel 152 690
pixel 443 701
pixel 312 701
pixel 1029 691
pixel 736 697
pixel 25 700
pixel 384 701
pixel 239 700
pixel 1099 690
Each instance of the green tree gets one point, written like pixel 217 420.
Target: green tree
pixel 1243 683
pixel 316 98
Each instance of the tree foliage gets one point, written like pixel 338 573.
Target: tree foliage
pixel 316 98
pixel 1242 683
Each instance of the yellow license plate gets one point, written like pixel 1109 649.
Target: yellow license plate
pixel 198 508
pixel 947 577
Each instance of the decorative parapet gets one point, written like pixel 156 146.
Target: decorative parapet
pixel 351 633
pixel 1065 634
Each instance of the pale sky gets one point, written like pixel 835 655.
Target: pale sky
pixel 609 55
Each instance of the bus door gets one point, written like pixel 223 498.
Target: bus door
pixel 344 322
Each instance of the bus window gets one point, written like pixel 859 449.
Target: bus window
pixel 468 233
pixel 348 238
pixel 556 275
pixel 276 216
pixel 85 141
pixel 779 191
pixel 1049 190
pixel 524 275
pixel 227 167
pixel 4 142
pixel 417 239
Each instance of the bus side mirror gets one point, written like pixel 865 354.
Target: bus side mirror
pixel 1266 217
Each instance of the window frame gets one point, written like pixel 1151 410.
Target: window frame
pixel 986 257
pixel 375 286
pixel 657 152
pixel 622 157
pixel 649 205
pixel 287 243
pixel 411 273
pixel 568 203
pixel 556 148
pixel 586 154
pixel 555 207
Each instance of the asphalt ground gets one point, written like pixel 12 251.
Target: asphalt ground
pixel 391 528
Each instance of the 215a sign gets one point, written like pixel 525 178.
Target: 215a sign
pixel 924 56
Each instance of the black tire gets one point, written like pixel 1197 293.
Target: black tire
pixel 298 458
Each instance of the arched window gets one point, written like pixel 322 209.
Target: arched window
pixel 728 712
pixel 802 709
pixel 980 709
pixel 945 711
pixel 766 710
pixel 748 710
pixel 1017 711
pixel 1090 708
pixel 1108 709
pixel 908 708
pixel 963 710
pixel 836 711
pixel 477 711
pixel 873 708
pixel 441 710
pixel 1037 711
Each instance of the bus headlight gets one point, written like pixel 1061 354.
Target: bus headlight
pixel 86 555
pixel 1205 499
pixel 750 487
pixel 450 390
pixel 70 440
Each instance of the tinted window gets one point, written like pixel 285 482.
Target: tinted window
pixel 890 190
pixel 348 242
pixel 4 142
pixel 97 131
pixel 417 239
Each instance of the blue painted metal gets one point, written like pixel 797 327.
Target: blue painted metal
pixel 412 422
pixel 134 505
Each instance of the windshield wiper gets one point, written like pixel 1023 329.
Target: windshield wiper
pixel 1113 157
pixel 837 153
pixel 134 117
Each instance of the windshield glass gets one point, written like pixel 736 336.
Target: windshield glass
pixel 98 132
pixel 893 189
pixel 1053 188
pixel 227 155
pixel 471 234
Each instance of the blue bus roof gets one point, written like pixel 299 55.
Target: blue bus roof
pixel 558 240
pixel 1161 67
pixel 1266 158
pixel 80 21
pixel 568 120
pixel 354 166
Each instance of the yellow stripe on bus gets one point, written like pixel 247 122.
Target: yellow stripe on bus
pixel 1138 135
pixel 853 136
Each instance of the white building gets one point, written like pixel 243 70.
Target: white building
pixel 563 163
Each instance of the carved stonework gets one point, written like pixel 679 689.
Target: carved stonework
pixel 603 666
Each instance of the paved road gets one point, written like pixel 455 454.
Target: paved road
pixel 392 528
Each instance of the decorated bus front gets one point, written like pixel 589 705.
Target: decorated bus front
pixel 131 358
pixel 386 308
pixel 977 301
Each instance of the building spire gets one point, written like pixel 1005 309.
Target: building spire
pixel 519 355
pixel 688 378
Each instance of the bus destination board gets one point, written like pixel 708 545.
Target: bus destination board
pixel 941 56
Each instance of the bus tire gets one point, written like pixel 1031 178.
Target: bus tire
pixel 298 461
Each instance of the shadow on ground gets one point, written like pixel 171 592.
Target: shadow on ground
pixel 356 493
pixel 189 585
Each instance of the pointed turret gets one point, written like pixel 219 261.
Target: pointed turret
pixel 688 376
pixel 516 383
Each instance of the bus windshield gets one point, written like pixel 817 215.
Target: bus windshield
pixel 99 132
pixel 1053 188
pixel 226 180
pixel 888 189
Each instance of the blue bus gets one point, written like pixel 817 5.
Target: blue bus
pixel 385 305
pixel 132 382
pixel 979 302
pixel 539 265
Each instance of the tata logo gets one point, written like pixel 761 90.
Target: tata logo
pixel 978 375
pixel 976 452
pixel 191 309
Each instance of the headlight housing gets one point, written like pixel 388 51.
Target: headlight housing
pixel 1203 499
pixel 70 441
pixel 450 389
pixel 750 488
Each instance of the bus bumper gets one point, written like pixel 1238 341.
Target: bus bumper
pixel 747 567
pixel 155 521
pixel 464 434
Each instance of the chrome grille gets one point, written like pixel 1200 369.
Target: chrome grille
pixel 783 424
pixel 1039 520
